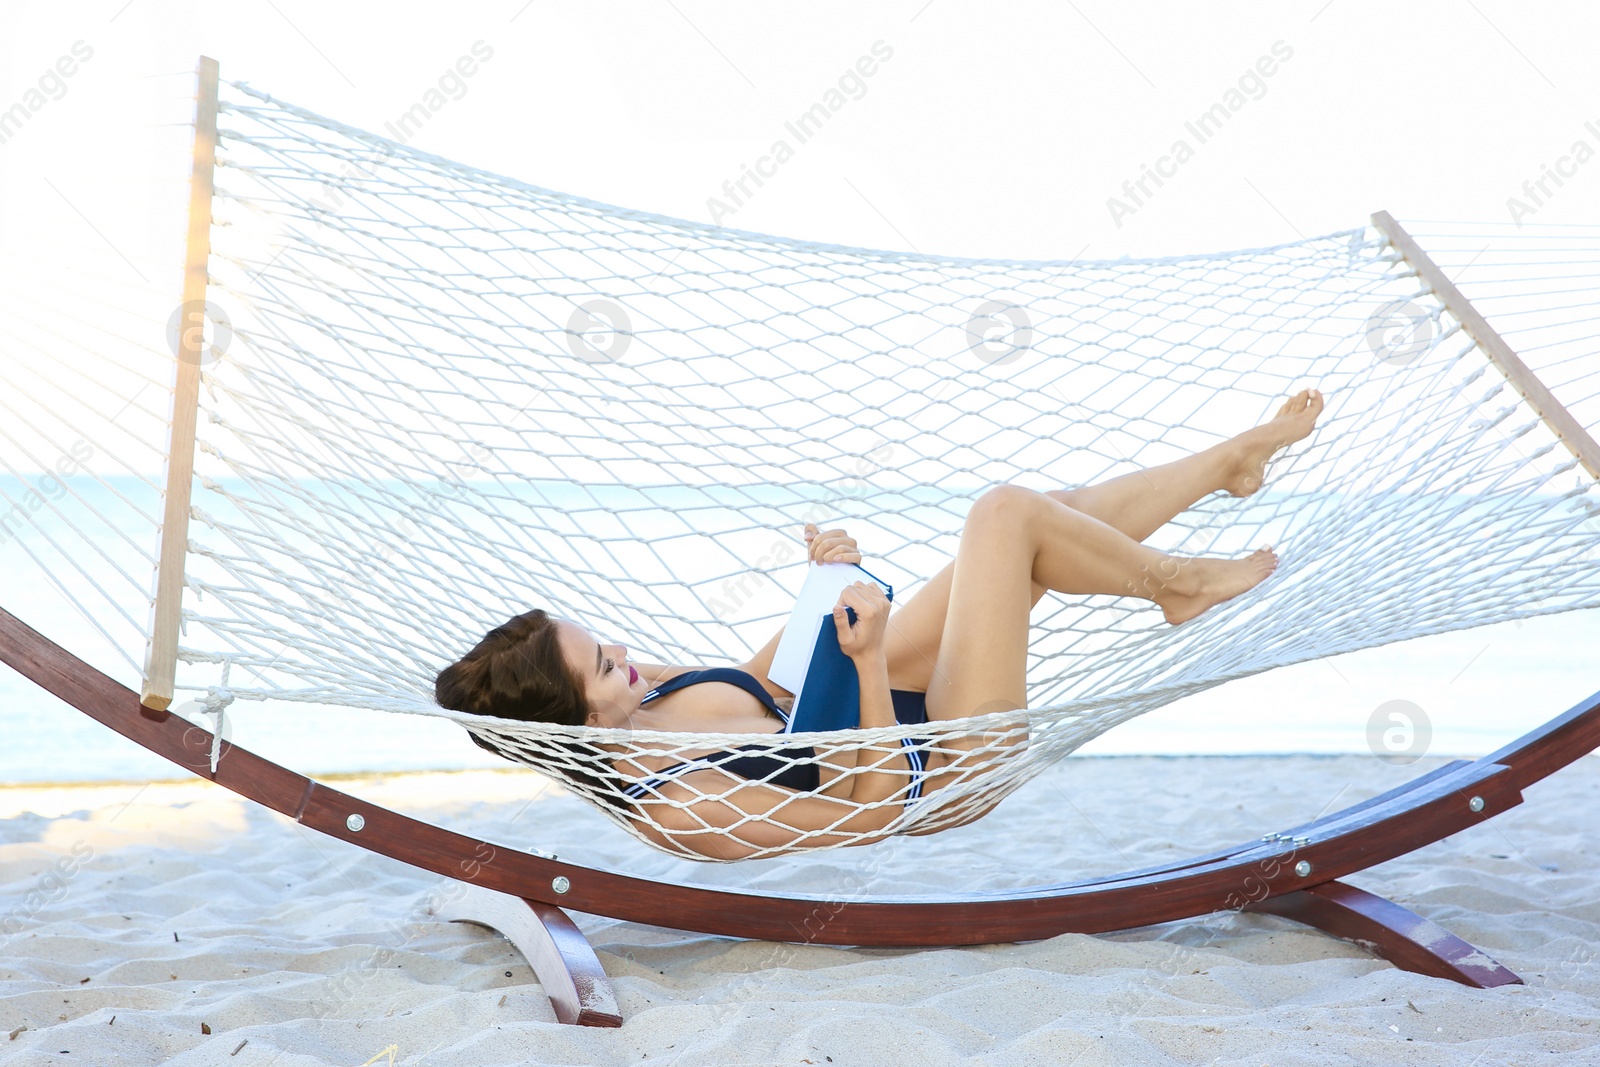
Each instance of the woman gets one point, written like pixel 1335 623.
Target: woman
pixel 957 649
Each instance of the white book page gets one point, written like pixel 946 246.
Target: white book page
pixel 814 607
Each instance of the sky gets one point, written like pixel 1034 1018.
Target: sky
pixel 987 129
pixel 996 129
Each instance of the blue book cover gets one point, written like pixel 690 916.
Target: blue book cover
pixel 809 662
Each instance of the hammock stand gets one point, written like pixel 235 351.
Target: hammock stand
pixel 1295 873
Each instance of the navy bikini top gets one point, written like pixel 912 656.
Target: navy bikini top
pixel 792 768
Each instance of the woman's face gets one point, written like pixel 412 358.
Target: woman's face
pixel 612 685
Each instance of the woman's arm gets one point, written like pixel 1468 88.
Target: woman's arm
pixel 878 772
pixel 832 546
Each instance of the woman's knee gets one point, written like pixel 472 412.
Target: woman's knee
pixel 1005 503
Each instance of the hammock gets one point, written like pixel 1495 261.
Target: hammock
pixel 435 397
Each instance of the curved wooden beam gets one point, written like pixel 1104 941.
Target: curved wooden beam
pixel 1425 811
pixel 1387 929
pixel 554 947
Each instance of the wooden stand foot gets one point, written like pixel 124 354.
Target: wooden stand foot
pixel 554 947
pixel 1386 929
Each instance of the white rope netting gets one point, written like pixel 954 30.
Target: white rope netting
pixel 447 397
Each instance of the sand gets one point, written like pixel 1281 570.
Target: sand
pixel 136 918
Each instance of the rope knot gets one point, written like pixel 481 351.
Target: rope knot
pixel 215 703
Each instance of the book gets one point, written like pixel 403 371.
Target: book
pixel 809 662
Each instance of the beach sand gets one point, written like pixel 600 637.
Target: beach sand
pixel 136 917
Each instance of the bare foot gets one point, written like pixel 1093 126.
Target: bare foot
pixel 1201 582
pixel 1256 446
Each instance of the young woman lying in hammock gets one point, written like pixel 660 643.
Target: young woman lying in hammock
pixel 956 650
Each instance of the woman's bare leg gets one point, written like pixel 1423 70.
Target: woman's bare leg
pixel 1141 503
pixel 1015 537
pixel 1136 504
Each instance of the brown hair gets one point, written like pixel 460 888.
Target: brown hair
pixel 516 672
